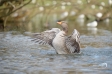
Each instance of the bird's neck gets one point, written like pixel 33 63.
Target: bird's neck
pixel 65 28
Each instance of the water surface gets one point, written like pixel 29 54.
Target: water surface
pixel 19 55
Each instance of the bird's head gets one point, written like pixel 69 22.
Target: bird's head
pixel 63 25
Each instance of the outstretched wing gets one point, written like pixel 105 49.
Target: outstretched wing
pixel 46 37
pixel 72 42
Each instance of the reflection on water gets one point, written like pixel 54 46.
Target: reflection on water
pixel 38 26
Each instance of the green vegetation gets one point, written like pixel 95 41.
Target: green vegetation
pixel 45 11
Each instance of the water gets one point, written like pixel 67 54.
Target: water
pixel 19 55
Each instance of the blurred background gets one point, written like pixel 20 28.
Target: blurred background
pixel 20 55
pixel 87 16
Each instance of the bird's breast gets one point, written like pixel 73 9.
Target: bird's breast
pixel 59 41
pixel 59 44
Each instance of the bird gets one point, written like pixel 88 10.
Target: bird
pixel 59 40
pixel 92 24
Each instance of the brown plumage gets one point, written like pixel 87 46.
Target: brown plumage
pixel 58 40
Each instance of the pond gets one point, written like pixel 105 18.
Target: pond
pixel 20 55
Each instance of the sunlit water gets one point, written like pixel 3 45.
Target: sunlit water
pixel 20 55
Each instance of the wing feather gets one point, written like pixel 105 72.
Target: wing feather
pixel 72 45
pixel 45 37
pixel 72 42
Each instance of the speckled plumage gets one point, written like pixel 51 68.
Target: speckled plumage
pixel 59 41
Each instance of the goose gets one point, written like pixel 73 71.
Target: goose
pixel 59 40
pixel 92 24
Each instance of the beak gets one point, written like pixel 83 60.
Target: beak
pixel 59 23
